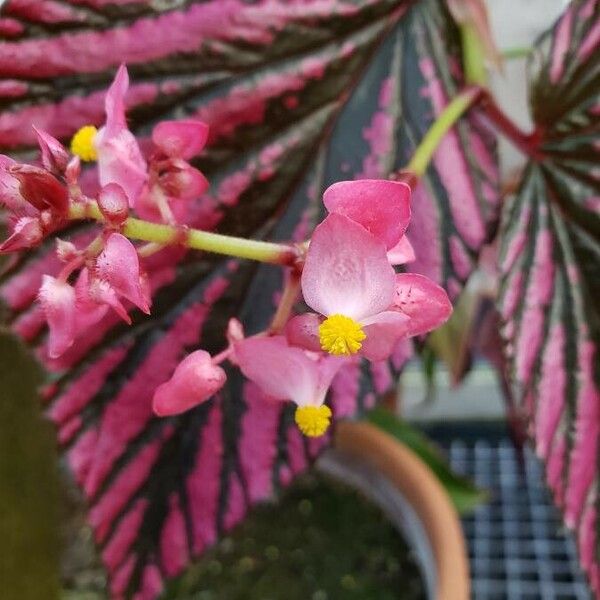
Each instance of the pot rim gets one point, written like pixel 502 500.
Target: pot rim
pixel 403 486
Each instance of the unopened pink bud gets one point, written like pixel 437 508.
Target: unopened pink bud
pixel 54 155
pixel 58 303
pixel 27 233
pixel 113 204
pixel 194 381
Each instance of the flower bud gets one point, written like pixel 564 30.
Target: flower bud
pixel 113 204
pixel 194 381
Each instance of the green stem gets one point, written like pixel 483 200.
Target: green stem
pixel 421 158
pixel 517 52
pixel 159 233
pixel 473 55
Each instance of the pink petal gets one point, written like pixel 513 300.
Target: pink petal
pixel 381 207
pixel 88 310
pixel 194 381
pixel 425 302
pixel 58 303
pixel 55 157
pixel 184 181
pixel 119 265
pixel 113 204
pixel 10 193
pixel 281 371
pixel 41 189
pixel 383 332
pixel 328 367
pixel 402 252
pixel 303 331
pixel 94 296
pixel 180 139
pixel 120 161
pixel 119 157
pixel 114 103
pixel 347 270
pixel 27 233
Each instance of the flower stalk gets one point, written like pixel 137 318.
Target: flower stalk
pixel 160 233
pixel 458 106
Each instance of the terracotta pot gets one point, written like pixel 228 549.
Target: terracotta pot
pixel 401 484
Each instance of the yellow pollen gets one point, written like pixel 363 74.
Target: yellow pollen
pixel 313 421
pixel 82 144
pixel 341 335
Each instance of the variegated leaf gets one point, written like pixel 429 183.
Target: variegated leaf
pixel 298 95
pixel 550 261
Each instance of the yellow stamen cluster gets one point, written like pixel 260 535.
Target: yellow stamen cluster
pixel 313 421
pixel 82 144
pixel 341 335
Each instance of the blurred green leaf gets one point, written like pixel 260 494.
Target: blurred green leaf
pixel 464 494
pixel 29 539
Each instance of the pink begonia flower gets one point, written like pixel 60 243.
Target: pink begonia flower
pixel 284 372
pixel 58 302
pixel 180 139
pixel 194 381
pixel 119 265
pixel 41 189
pixel 348 279
pixel 119 157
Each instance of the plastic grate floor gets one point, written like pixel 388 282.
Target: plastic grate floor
pixel 518 547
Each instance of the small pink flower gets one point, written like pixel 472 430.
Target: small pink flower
pixel 119 157
pixel 58 302
pixel 194 381
pixel 284 372
pixel 119 265
pixel 347 278
pixel 180 139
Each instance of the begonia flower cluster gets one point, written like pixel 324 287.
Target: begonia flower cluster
pixel 360 307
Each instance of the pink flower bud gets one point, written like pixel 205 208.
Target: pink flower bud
pixel 58 303
pixel 41 189
pixel 194 381
pixel 180 139
pixel 27 233
pixel 54 155
pixel 119 265
pixel 113 204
